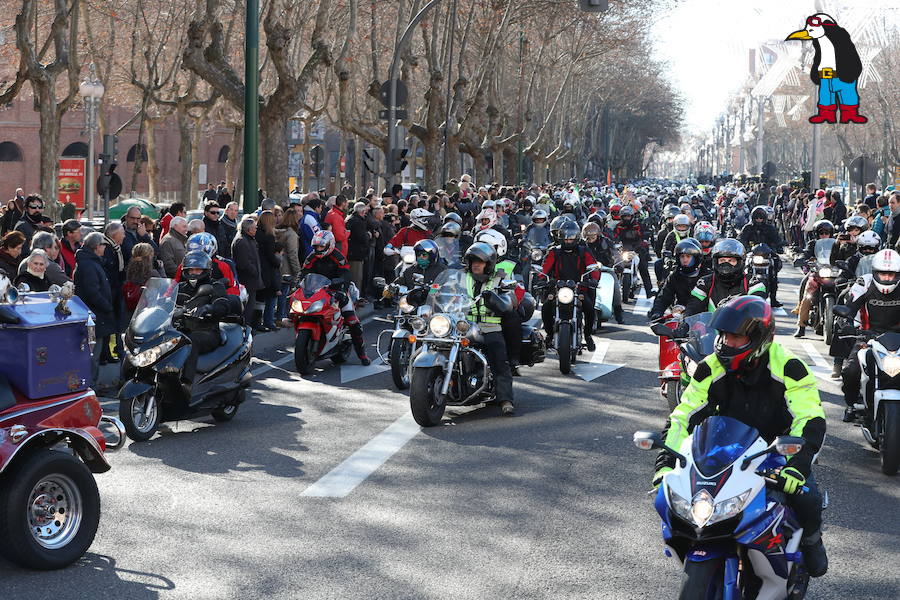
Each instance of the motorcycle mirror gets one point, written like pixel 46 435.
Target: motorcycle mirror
pixel 380 282
pixel 508 284
pixel 842 264
pixel 787 445
pixel 647 440
pixel 24 288
pixel 661 330
pixel 841 311
pixel 418 278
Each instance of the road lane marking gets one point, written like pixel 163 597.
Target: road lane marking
pixel 820 366
pixel 779 312
pixel 595 367
pixel 353 372
pixel 267 366
pixel 344 478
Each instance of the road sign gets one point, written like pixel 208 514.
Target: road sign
pixel 769 170
pixel 385 91
pixel 401 114
pixel 863 170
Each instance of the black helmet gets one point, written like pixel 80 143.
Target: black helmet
pixel 485 253
pixel 423 247
pixel 450 229
pixel 750 316
pixel 671 211
pixel 556 223
pixel 691 247
pixel 858 222
pixel 728 248
pixel 626 211
pixel 759 213
pixel 599 218
pixel 823 226
pixel 569 235
pixel 196 259
pixel 452 216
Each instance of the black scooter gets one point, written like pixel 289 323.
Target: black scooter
pixel 156 352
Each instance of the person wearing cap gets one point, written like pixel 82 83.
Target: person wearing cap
pixel 92 286
pixel 69 245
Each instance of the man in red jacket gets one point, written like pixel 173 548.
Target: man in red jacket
pixel 335 220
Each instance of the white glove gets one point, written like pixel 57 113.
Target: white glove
pixel 390 251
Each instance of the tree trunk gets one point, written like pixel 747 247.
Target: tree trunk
pixel 186 192
pixel 234 154
pixel 432 147
pixel 498 175
pixel 540 170
pixel 195 154
pixel 49 149
pixel 152 165
pixel 275 157
pixel 307 160
pixel 358 168
pixel 138 157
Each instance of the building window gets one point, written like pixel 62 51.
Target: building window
pixel 132 153
pixel 10 152
pixel 223 154
pixel 79 149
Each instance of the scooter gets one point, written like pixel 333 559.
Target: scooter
pixel 155 355
pixel 318 323
pixel 52 441
pixel 732 537
pixel 879 392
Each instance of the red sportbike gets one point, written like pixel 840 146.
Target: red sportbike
pixel 321 330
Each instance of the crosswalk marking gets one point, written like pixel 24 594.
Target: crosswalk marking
pixel 642 304
pixel 820 367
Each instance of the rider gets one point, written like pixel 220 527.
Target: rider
pixel 202 327
pixel 846 244
pixel 629 233
pixel 681 230
pixel 487 310
pixel 760 231
pixel 221 268
pixel 669 214
pixel 867 244
pixel 328 262
pixel 882 302
pixel 682 281
pixel 428 264
pixel 601 248
pixel 408 236
pixel 570 261
pixel 706 235
pixel 727 279
pixel 757 381
pixel 823 230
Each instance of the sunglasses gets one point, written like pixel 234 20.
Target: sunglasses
pixel 817 22
pixel 36 206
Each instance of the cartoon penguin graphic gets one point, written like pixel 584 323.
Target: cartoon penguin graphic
pixel 835 69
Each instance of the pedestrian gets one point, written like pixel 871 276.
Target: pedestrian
pixel 245 254
pixel 335 220
pixel 10 250
pixel 114 263
pixel 174 245
pixel 222 232
pixel 138 272
pixel 151 228
pixel 880 217
pixel 54 272
pixel 289 239
pixel 135 232
pixel 209 195
pixel 177 209
pixel 270 268
pixel 871 199
pixel 196 226
pixel 93 288
pixel 33 272
pixel 310 224
pixel 15 208
pixel 224 197
pixel 358 243
pixel 230 217
pixel 70 243
pixel 33 220
pixel 68 210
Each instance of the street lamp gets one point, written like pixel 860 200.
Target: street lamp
pixel 91 90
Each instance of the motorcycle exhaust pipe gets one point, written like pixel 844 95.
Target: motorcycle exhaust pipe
pixel 120 431
pixel 484 376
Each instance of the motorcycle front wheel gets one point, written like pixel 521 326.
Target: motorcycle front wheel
pixel 401 350
pixel 140 416
pixel 564 348
pixel 890 439
pixel 828 317
pixel 702 580
pixel 673 394
pixel 425 400
pixel 304 352
pixel 626 287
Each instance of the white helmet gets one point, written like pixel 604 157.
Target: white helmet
pixel 418 217
pixel 488 214
pixel 886 271
pixel 868 240
pixel 488 204
pixel 681 220
pixel 494 238
pixel 539 214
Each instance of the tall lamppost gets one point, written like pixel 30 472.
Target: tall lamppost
pixel 91 90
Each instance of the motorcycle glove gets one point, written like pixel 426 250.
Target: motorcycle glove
pixel 790 480
pixel 658 476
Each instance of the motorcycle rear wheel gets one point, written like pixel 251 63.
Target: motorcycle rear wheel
pixel 702 580
pixel 304 353
pixel 828 317
pixel 400 352
pixel 890 439
pixel 564 348
pixel 140 416
pixel 425 402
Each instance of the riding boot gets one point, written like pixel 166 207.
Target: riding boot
pixel 814 557
pixel 588 328
pixel 359 344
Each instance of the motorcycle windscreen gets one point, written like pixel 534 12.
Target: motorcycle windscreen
pixel 153 312
pixel 823 250
pixel 312 283
pixel 701 337
pixel 603 302
pixel 448 294
pixel 864 267
pixel 718 442
pixel 448 250
pixel 538 237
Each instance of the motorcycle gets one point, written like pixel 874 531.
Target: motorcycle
pixel 568 334
pixel 400 349
pixel 156 352
pixel 627 268
pixel 824 298
pixel 761 259
pixel 733 537
pixel 450 369
pixel 535 245
pixel 318 323
pixel 605 297
pixel 879 357
pixel 693 340
pixel 51 438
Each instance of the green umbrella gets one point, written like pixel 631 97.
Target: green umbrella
pixel 117 211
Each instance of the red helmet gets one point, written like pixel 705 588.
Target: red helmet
pixel 749 316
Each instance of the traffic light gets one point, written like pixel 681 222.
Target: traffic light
pixel 111 147
pixel 594 6
pixel 317 155
pixel 368 161
pixel 397 161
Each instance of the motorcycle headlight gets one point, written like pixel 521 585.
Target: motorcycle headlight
pixel 565 295
pixel 702 508
pixel 729 508
pixel 760 260
pixel 826 272
pixel 536 255
pixel 405 306
pixel 628 256
pixel 297 306
pixel 891 364
pixel 439 325
pixel 315 307
pixel 150 356
pixel 680 506
pixel 418 324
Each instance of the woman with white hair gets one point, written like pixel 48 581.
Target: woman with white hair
pixel 35 268
pixel 49 243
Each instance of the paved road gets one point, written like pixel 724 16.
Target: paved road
pixel 549 504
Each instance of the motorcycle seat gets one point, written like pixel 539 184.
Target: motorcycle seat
pixel 232 338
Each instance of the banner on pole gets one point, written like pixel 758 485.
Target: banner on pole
pixel 70 185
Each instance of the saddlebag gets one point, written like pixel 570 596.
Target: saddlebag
pixel 532 346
